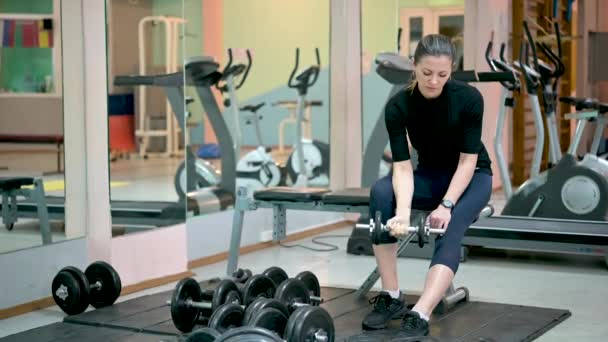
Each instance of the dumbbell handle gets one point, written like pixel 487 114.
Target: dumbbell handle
pixel 410 229
pixel 316 299
pixel 96 286
pixel 191 303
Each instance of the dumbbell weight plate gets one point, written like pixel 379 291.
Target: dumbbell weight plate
pixel 203 335
pixel 277 274
pixel 291 323
pixel 70 290
pixel 271 319
pixel 249 334
pixel 185 318
pixel 258 286
pixel 242 275
pixel 421 224
pixel 263 303
pixel 377 232
pixel 110 280
pixel 292 291
pixel 226 317
pixel 226 292
pixel 312 283
pixel 309 321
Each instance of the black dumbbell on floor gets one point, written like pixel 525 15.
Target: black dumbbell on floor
pixel 421 229
pixel 73 290
pixel 278 275
pixel 190 305
pixel 306 324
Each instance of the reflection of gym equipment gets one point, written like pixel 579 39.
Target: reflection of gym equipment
pixel 597 115
pixel 144 132
pixel 202 73
pixel 11 187
pixel 256 169
pixel 292 108
pixel 73 290
pixel 308 163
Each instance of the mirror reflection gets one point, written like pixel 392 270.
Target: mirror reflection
pixel 145 114
pixel 32 183
pixel 258 107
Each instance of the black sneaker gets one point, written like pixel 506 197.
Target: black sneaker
pixel 385 309
pixel 412 326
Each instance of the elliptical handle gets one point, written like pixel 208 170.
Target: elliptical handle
pixel 249 63
pixel 290 83
pixel 316 69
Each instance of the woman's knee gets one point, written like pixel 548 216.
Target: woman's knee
pixel 382 198
pixel 447 253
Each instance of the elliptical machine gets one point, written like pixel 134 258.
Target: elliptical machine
pixel 569 190
pixel 308 163
pixel 256 169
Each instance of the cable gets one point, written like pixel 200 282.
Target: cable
pixel 316 241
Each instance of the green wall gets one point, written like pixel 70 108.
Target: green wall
pixel 23 68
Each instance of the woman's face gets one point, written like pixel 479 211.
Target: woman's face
pixel 431 73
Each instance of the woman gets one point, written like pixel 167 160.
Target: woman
pixel 443 120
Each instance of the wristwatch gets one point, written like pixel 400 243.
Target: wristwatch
pixel 447 203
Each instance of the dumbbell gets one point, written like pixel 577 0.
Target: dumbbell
pixel 421 229
pixel 73 290
pixel 191 305
pixel 308 324
pixel 278 276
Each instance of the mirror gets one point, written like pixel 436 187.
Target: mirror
pixel 145 41
pixel 32 183
pixel 249 66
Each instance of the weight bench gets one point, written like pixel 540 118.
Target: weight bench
pixel 355 200
pixel 11 187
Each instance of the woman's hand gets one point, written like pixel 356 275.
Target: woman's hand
pixel 398 225
pixel 440 217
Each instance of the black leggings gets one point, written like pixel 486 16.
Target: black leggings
pixel 429 188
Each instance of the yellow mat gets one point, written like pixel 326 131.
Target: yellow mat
pixel 57 185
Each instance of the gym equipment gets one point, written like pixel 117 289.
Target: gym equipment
pixel 306 324
pixel 11 187
pixel 594 111
pixel 260 304
pixel 308 163
pixel 421 230
pixel 202 73
pixel 278 276
pixel 294 293
pixel 352 200
pixel 256 169
pixel 569 190
pixel 143 131
pixel 190 305
pixel 74 290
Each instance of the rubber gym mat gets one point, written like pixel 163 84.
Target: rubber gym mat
pixel 473 321
pixel 75 332
pixel 151 314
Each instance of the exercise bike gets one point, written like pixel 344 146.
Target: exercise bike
pixel 570 189
pixel 256 169
pixel 308 163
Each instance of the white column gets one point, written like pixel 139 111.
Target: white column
pixel 345 94
pixel 99 220
pixel 72 46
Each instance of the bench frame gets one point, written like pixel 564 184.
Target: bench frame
pixel 9 207
pixel 244 203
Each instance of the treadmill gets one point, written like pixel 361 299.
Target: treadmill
pixel 201 72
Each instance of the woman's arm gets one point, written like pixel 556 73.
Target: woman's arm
pixel 462 176
pixel 403 187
